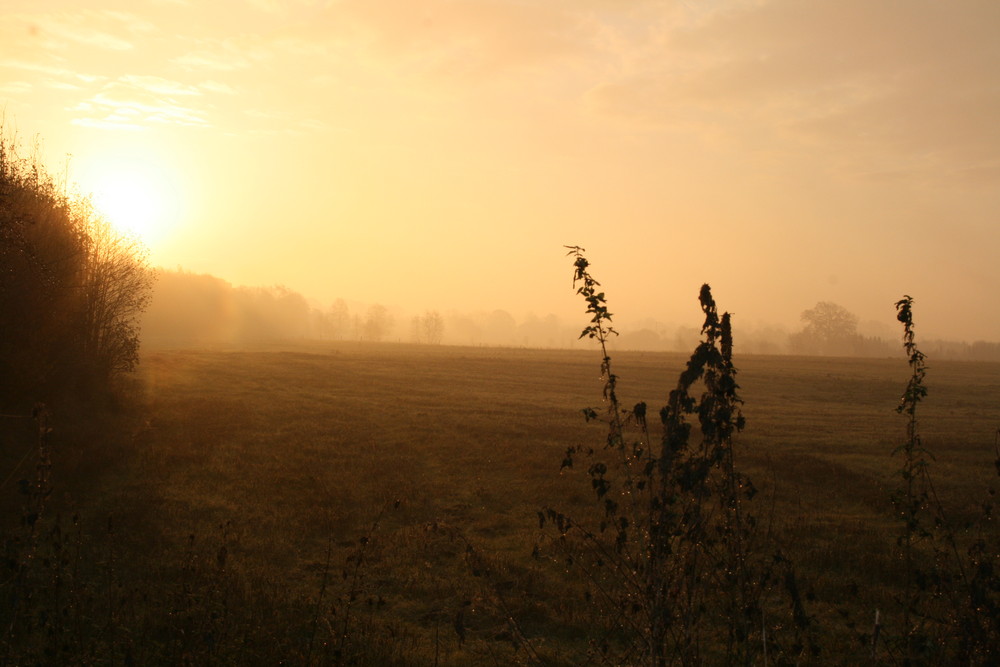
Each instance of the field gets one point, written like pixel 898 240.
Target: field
pixel 377 504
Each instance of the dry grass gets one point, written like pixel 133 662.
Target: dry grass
pixel 280 454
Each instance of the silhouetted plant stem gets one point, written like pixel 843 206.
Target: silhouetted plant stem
pixel 946 598
pixel 673 530
pixel 911 501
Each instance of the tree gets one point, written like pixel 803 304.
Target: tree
pixel 115 291
pixel 433 326
pixel 340 320
pixel 377 324
pixel 71 288
pixel 829 329
pixel 41 259
pixel 428 328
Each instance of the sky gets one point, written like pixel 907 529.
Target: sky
pixel 439 154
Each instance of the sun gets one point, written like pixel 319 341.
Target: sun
pixel 138 198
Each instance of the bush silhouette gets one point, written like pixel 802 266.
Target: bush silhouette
pixel 72 289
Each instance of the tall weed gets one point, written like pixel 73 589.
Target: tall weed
pixel 674 560
pixel 950 603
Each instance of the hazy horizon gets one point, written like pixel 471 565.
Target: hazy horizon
pixel 200 311
pixel 439 155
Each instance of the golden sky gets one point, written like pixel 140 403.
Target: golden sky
pixel 439 153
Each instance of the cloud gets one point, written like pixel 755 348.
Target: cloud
pixel 52 70
pixel 60 85
pixel 140 101
pixel 110 122
pixel 15 87
pixel 217 87
pixel 212 61
pixel 58 31
pixel 272 123
pixel 53 77
pixel 872 85
pixel 158 86
pixel 456 39
pixel 219 56
pixel 129 21
pixel 267 6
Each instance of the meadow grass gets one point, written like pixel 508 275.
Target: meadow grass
pixel 376 504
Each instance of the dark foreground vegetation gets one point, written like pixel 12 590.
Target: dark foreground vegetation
pixel 71 290
pixel 378 505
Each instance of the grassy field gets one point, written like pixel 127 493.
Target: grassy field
pixel 376 504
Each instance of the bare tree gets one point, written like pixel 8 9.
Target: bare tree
pixel 115 290
pixel 433 327
pixel 340 320
pixel 428 328
pixel 378 323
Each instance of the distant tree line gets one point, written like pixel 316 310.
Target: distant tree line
pixel 979 350
pixel 72 289
pixel 192 310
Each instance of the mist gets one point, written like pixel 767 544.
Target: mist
pixel 190 310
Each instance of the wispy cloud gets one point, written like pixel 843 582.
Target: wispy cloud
pixel 157 85
pixel 268 6
pixel 220 62
pixel 224 55
pixel 56 84
pixel 462 37
pixel 217 87
pixel 868 85
pixel 15 87
pixel 59 31
pixel 52 70
pixel 139 102
pixel 111 122
pixel 285 7
pixel 272 122
pixel 130 22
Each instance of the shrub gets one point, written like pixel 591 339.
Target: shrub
pixel 71 292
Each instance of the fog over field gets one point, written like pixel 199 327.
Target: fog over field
pixel 400 333
pixel 191 310
pixel 435 157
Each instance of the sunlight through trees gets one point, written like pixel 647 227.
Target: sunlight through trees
pixel 72 292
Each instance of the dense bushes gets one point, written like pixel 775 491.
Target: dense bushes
pixel 71 289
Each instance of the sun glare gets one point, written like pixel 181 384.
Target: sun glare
pixel 136 198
